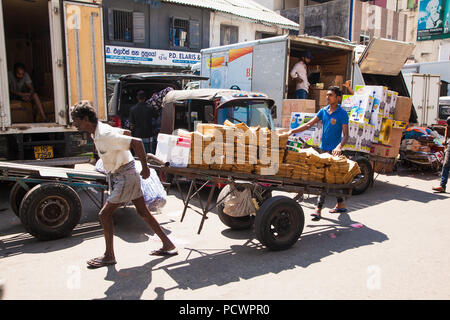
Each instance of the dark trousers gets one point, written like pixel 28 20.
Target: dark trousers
pixel 321 199
pixel 445 168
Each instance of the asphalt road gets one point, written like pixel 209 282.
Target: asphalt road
pixel 400 252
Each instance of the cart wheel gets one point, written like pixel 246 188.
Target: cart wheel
pixel 365 178
pixel 235 223
pixel 16 195
pixel 279 223
pixel 50 211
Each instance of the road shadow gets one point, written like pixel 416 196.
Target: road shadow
pixel 128 226
pixel 221 267
pixel 130 283
pixel 378 195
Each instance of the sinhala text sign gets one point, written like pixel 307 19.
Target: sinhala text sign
pixel 127 55
pixel 434 20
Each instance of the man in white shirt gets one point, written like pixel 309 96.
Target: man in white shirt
pixel 113 146
pixel 299 73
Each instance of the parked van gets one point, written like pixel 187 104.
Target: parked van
pixel 60 43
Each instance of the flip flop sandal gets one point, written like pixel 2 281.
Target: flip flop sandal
pixel 98 263
pixel 161 252
pixel 339 210
pixel 316 216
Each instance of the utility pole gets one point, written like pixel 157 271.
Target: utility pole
pixel 301 17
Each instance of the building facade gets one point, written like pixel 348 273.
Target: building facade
pixel 167 35
pixel 150 35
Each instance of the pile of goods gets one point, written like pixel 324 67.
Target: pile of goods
pixel 238 148
pixel 377 118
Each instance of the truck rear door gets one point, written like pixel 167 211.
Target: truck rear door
pixel 385 57
pixel 5 113
pixel 269 71
pixel 85 55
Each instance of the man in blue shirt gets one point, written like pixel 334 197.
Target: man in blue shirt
pixel 335 136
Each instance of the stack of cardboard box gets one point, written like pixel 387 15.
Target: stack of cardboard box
pixel 391 140
pixel 296 105
pixel 21 112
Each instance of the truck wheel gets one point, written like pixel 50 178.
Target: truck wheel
pixel 16 195
pixel 50 211
pixel 279 223
pixel 365 178
pixel 235 223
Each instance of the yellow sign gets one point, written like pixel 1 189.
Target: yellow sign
pixel 43 152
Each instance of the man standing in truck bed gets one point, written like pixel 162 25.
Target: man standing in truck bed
pixel 113 147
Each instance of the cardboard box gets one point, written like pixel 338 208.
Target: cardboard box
pixel 21 112
pixel 331 80
pixel 402 110
pixel 362 108
pixel 298 105
pixel 410 145
pixel 386 131
pixel 286 121
pixel 378 93
pixel 48 106
pixel 320 96
pixel 396 137
pixel 347 103
pixel 383 167
pixel 384 151
pixel 391 101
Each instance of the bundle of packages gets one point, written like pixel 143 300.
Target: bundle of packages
pixel 243 133
pixel 299 170
pixel 220 163
pixel 340 173
pixel 271 139
pixel 284 170
pixel 267 155
pixel 339 165
pixel 266 169
pixel 246 154
pixel 353 171
pixel 333 177
pixel 314 159
pixel 316 174
pixel 211 129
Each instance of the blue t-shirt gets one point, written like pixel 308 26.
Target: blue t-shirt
pixel 332 127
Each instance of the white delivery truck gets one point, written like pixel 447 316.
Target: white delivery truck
pixel 61 45
pixel 264 65
pixel 424 90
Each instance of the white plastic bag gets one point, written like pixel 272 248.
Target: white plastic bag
pixel 155 195
pixel 238 203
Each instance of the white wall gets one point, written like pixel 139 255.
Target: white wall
pixel 444 50
pixel 247 28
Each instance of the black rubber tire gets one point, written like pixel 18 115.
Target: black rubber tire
pixel 275 233
pixel 367 172
pixel 235 223
pixel 50 211
pixel 16 196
